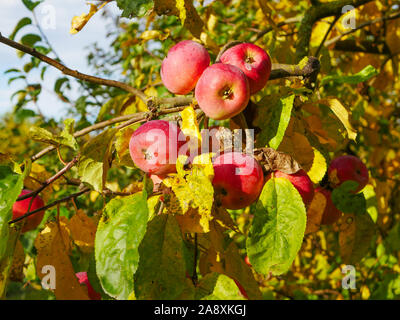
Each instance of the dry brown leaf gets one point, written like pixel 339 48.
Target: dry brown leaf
pixel 315 212
pixel 273 160
pixel 53 246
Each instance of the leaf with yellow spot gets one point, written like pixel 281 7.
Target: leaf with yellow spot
pixel 318 168
pixel 53 248
pixel 193 189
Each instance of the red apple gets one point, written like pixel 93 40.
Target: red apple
pixel 238 179
pixel 301 181
pixel 222 91
pixel 83 279
pixel 347 168
pixel 183 66
pixel 154 147
pixel 331 213
pixel 253 61
pixel 21 207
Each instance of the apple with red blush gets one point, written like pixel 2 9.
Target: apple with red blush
pixel 183 66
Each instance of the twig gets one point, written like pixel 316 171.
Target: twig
pixel 50 180
pixel 368 23
pixel 29 213
pixel 326 35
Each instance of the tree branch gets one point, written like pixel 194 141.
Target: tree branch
pixel 73 73
pixel 362 46
pixel 304 69
pixel 315 13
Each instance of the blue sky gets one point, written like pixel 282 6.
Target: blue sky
pixel 71 48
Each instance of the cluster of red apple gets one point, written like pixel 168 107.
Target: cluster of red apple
pixel 238 177
pixel 223 89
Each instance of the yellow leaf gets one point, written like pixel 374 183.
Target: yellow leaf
pixel 365 293
pixel 190 128
pixel 318 168
pixel 154 34
pixel 342 113
pixel 150 34
pixel 53 248
pixel 319 31
pixel 209 42
pixel 37 176
pixel 193 190
pixel 83 231
pixel 180 4
pixel 78 22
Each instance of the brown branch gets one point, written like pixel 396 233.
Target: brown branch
pixel 50 180
pixel 301 70
pixel 71 196
pixel 362 46
pixel 73 73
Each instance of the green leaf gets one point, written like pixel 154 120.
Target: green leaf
pixel 371 201
pixel 120 231
pixel 161 274
pixel 21 23
pixel 135 8
pixel 31 4
pixel 276 120
pixel 30 39
pixel 59 83
pixel 65 138
pixel 94 163
pixel 11 184
pixel 277 231
pixel 225 289
pixel 365 74
pixel 346 201
pixel 112 107
pixel 7 260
